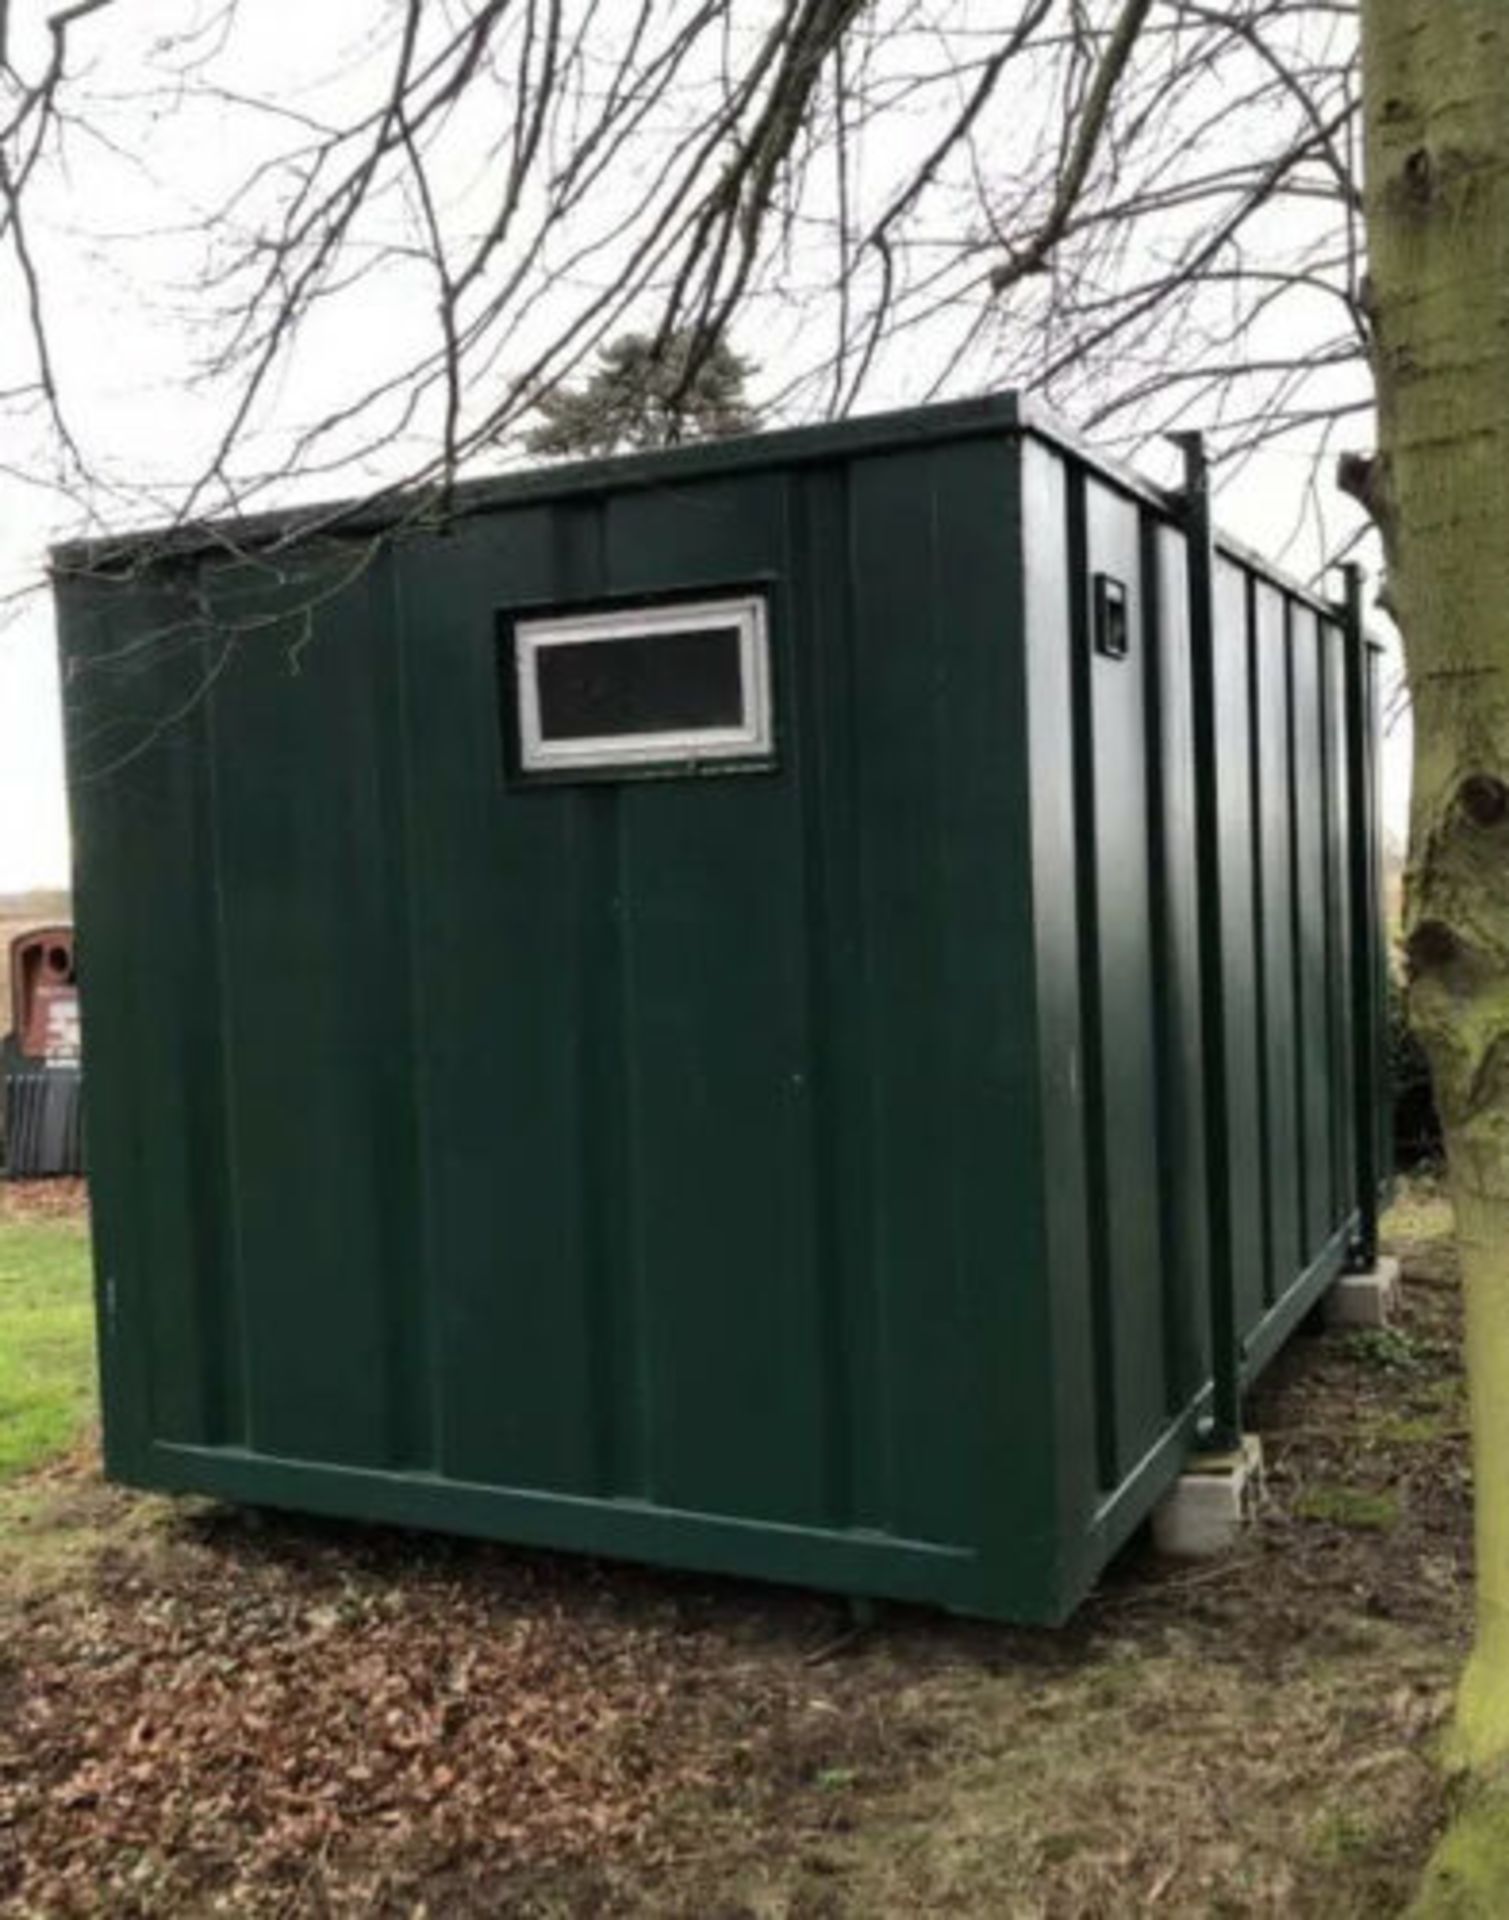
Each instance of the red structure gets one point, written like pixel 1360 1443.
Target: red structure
pixel 43 1130
pixel 45 995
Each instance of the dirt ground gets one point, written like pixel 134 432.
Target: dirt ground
pixel 207 1711
pixel 44 1200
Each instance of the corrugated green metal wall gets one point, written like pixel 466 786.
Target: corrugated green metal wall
pixel 1128 1105
pixel 798 1172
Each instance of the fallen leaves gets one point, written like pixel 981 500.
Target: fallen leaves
pixel 182 1743
pixel 229 1714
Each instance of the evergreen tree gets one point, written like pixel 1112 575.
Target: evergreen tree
pixel 638 397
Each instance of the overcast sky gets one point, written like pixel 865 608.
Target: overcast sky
pixel 124 220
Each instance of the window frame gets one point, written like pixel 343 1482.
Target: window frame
pixel 753 741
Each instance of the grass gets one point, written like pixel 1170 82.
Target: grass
pixel 1390 1349
pixel 1349 1507
pixel 47 1388
pixel 1419 1429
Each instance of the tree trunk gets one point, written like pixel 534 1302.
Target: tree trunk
pixel 1436 101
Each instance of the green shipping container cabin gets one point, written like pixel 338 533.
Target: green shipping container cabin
pixel 802 1006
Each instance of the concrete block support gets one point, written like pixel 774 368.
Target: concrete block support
pixel 1365 1299
pixel 1211 1501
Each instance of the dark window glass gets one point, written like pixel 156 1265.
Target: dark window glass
pixel 644 683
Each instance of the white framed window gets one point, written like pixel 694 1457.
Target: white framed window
pixel 644 686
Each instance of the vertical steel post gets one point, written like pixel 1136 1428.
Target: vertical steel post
pixel 1363 896
pixel 1226 1363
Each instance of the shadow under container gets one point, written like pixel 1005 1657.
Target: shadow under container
pixel 747 1008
